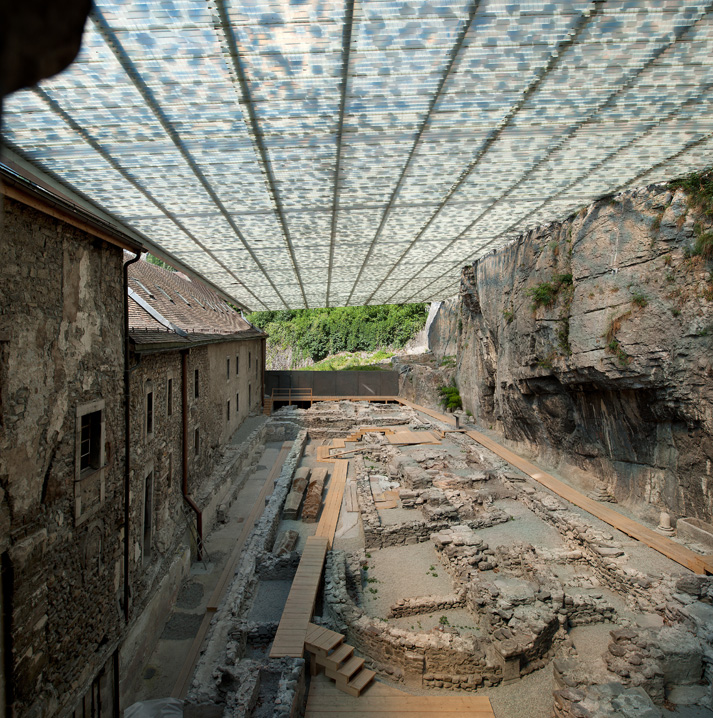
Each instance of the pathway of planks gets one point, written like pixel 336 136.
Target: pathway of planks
pixel 290 636
pixel 289 639
pixel 325 700
pixel 333 503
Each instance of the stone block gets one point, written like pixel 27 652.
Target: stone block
pixel 313 498
pixel 682 660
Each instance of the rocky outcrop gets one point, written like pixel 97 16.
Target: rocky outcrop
pixel 590 344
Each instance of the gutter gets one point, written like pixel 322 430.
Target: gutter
pixel 184 462
pixel 127 437
pixel 19 188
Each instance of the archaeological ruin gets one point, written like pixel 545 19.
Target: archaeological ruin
pixel 508 514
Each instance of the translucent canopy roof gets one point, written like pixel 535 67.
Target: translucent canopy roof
pixel 322 153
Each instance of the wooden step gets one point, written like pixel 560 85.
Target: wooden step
pixel 353 665
pixel 359 682
pixel 340 654
pixel 324 641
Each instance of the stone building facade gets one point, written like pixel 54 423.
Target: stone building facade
pixel 66 646
pixel 180 332
pixel 61 461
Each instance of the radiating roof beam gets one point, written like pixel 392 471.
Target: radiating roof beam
pixel 679 34
pixel 121 55
pixel 584 19
pixel 346 53
pixel 97 147
pixel 232 43
pixel 454 53
pixel 707 88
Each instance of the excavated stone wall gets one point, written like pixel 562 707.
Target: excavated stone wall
pixel 611 375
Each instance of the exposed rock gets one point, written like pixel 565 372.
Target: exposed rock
pixel 612 372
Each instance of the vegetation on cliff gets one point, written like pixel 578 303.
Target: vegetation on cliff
pixel 314 334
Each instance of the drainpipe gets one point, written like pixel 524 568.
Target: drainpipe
pixel 127 436
pixel 263 343
pixel 184 410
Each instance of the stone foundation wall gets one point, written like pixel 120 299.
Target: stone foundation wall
pixel 214 679
pixel 404 655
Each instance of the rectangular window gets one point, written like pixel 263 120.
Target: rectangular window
pixel 237 403
pixel 196 442
pixel 148 516
pixel 90 441
pixel 227 411
pixel 169 397
pixel 250 360
pixel 250 396
pixel 227 368
pixel 149 413
pixel 196 386
pixel 237 365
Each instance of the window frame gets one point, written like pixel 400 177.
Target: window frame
pixel 91 474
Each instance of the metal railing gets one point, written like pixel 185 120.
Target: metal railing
pixel 290 395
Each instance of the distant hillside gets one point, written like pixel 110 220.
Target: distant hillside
pixel 299 338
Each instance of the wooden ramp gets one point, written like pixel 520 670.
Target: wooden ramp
pixel 333 503
pixel 325 700
pixel 676 552
pixel 404 438
pixel 290 636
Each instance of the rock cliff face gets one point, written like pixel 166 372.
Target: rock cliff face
pixel 590 344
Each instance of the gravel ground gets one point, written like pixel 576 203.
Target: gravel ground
pixel 403 572
pixel 526 527
pixel 269 601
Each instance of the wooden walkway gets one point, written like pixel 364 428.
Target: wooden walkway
pixel 404 437
pixel 662 544
pixel 325 700
pixel 290 636
pixel 333 503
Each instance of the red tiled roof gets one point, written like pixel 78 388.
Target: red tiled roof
pixel 186 311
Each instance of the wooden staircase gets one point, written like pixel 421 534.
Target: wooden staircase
pixel 267 406
pixel 327 650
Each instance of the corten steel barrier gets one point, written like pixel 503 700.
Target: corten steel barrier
pixel 334 383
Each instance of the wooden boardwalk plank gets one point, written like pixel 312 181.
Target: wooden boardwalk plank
pixel 383 701
pixel 330 513
pixel 290 636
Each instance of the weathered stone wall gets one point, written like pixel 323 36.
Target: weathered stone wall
pixel 160 452
pixel 613 378
pixel 61 327
pixel 215 475
pixel 440 660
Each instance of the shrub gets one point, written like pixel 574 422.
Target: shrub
pixel 544 294
pixel 704 244
pixel 699 188
pixel 509 314
pixel 639 299
pixel 450 397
